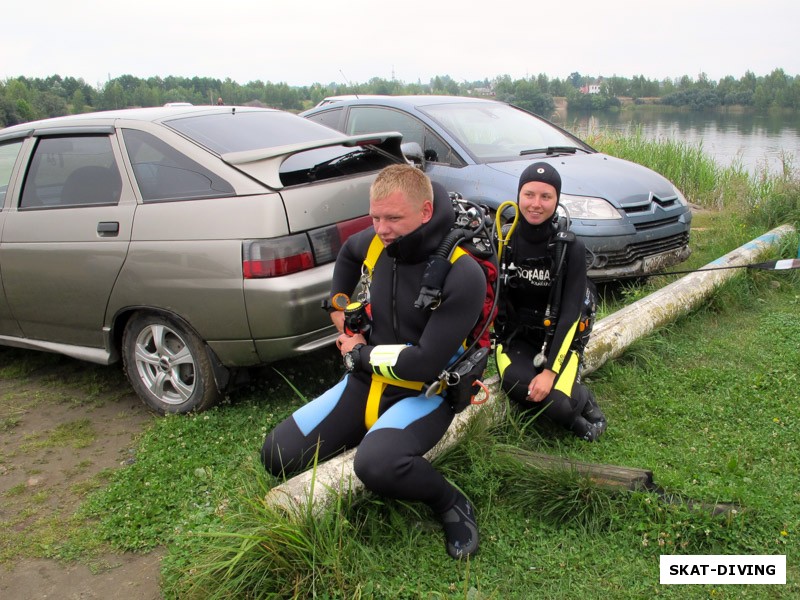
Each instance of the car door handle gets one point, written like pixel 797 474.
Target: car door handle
pixel 108 228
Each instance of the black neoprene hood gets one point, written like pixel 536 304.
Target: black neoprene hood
pixel 540 171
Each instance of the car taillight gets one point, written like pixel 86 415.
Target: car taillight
pixel 290 254
pixel 327 241
pixel 276 257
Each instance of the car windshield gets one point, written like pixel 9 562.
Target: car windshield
pixel 492 131
pixel 245 130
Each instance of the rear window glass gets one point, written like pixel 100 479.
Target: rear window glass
pixel 329 118
pixel 164 173
pixel 374 119
pixel 237 131
pixel 8 156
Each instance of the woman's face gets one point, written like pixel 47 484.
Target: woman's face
pixel 537 202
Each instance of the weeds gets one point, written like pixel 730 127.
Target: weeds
pixel 272 552
pixel 77 434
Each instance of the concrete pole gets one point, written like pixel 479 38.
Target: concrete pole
pixel 610 337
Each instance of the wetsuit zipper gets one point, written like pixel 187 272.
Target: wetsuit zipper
pixel 394 301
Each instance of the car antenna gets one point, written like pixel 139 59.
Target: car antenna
pixel 347 81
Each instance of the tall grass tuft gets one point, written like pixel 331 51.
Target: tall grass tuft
pixel 557 496
pixel 266 551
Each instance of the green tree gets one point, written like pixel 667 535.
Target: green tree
pixel 8 113
pixel 527 95
pixel 145 95
pixel 616 86
pixel 748 81
pixel 17 89
pixel 113 96
pixel 24 111
pixel 78 102
pixel 49 104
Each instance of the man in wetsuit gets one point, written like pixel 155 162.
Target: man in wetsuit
pixel 380 404
pixel 541 369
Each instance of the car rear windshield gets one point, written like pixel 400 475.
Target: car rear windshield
pixel 492 131
pixel 237 131
pixel 234 132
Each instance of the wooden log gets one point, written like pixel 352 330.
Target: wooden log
pixel 616 478
pixel 607 476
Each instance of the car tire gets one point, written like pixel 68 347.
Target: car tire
pixel 167 365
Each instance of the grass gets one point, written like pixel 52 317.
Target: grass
pixel 709 404
pixel 714 421
pixel 77 434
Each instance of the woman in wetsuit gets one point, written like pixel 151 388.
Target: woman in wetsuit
pixel 538 354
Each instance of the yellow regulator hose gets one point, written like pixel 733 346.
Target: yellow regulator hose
pixel 502 239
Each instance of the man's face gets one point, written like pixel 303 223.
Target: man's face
pixel 537 202
pixel 395 215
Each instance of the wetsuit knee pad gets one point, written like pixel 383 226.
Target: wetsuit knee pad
pixel 284 450
pixel 381 461
pixel 514 381
pixel 561 408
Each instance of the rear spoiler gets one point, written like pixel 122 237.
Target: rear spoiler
pixel 264 164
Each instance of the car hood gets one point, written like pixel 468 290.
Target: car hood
pixel 620 182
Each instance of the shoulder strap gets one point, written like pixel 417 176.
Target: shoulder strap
pixel 376 247
pixel 457 253
pixel 373 253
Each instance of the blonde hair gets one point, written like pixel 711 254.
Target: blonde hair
pixel 408 179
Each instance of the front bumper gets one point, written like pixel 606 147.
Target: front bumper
pixel 640 267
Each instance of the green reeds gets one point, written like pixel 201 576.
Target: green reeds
pixel 768 197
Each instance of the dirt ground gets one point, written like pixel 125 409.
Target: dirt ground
pixel 63 422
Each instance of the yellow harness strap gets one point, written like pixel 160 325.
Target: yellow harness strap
pixel 457 253
pixel 376 389
pixel 373 252
pixel 376 247
pixel 379 382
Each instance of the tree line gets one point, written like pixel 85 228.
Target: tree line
pixel 25 99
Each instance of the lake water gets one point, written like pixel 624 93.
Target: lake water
pixel 756 141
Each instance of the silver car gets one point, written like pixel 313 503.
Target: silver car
pixel 633 221
pixel 186 241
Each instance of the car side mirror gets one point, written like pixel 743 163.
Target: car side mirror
pixel 414 154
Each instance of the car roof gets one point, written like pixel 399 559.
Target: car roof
pixel 153 114
pixel 404 101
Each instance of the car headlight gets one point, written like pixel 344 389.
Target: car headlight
pixel 586 207
pixel 681 197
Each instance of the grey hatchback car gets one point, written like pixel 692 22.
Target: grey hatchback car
pixel 632 220
pixel 186 241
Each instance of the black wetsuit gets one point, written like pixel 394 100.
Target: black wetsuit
pixel 520 329
pixel 389 459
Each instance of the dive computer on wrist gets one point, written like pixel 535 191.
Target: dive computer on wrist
pixel 351 359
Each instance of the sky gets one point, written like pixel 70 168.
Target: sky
pixel 352 41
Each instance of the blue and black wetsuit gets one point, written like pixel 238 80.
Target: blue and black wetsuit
pixel 520 330
pixel 389 459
